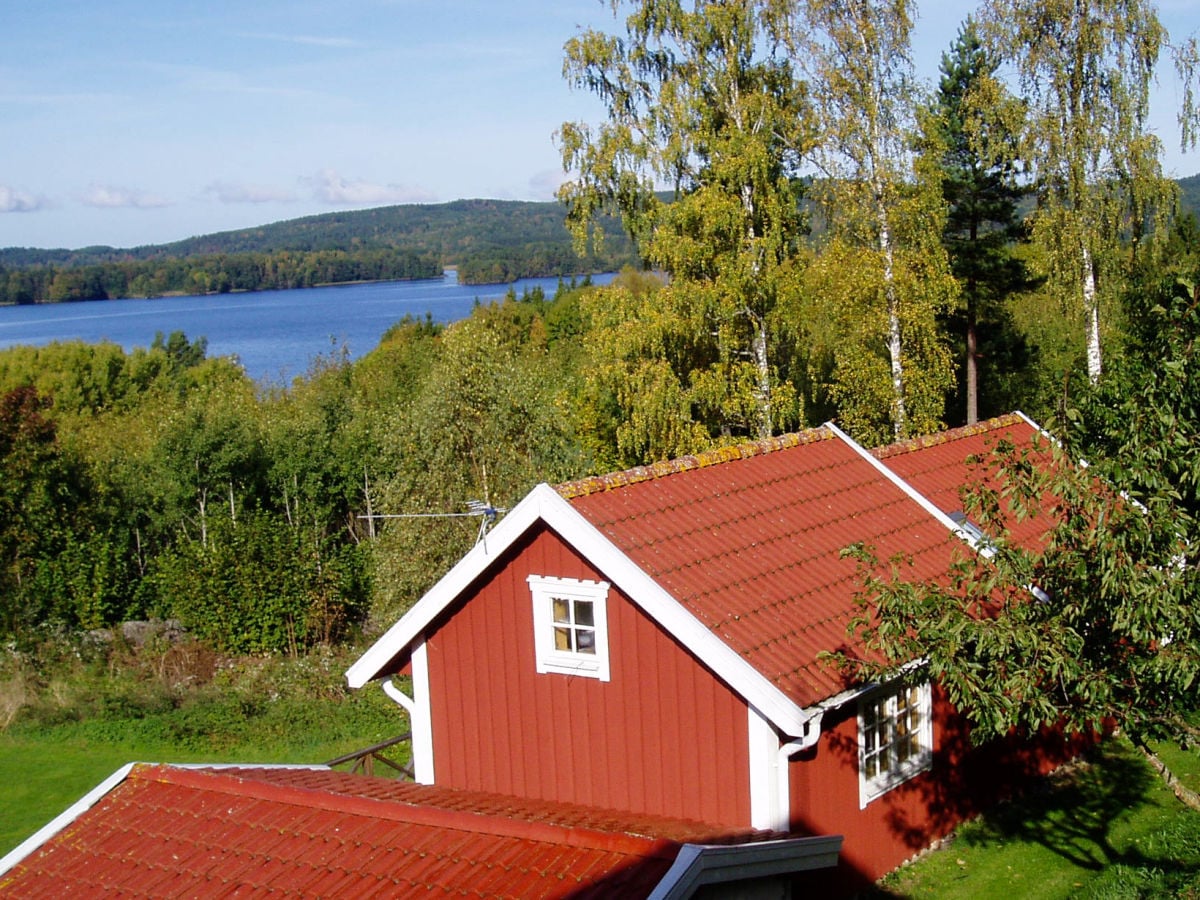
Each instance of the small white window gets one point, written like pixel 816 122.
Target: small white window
pixel 570 622
pixel 895 738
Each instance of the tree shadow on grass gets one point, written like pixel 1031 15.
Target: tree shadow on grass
pixel 1072 814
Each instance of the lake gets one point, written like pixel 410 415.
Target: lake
pixel 274 334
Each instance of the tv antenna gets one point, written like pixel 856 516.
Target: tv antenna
pixel 483 509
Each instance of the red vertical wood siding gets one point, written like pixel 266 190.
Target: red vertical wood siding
pixel 663 736
pixel 962 781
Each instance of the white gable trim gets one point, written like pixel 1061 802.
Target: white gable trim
pixel 65 818
pixel 404 632
pixel 981 547
pixel 545 504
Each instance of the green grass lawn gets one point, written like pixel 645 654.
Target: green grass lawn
pixel 1106 828
pixel 269 712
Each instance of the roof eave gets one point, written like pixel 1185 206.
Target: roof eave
pixel 545 504
pixel 705 864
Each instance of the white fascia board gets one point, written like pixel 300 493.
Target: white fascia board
pixel 405 631
pixel 657 603
pixel 913 494
pixel 546 504
pixel 63 819
pixel 703 864
pixel 1036 427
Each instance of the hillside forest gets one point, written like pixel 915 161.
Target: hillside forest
pixel 488 241
pixel 950 259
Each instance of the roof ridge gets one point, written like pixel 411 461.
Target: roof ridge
pixel 496 823
pixel 945 437
pixel 596 484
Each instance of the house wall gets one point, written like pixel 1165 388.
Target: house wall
pixel 961 782
pixel 662 736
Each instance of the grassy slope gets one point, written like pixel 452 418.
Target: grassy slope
pixel 1107 828
pixel 256 711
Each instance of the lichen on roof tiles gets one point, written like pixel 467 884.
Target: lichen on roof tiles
pixel 613 480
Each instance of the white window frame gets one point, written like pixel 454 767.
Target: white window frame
pixel 545 589
pixel 894 771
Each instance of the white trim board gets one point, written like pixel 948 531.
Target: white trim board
pixel 545 504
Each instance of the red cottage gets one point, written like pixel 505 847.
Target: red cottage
pixel 653 641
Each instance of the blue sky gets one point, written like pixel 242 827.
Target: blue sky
pixel 128 122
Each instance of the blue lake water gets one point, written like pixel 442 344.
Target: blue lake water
pixel 274 334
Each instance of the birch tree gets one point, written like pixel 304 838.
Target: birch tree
pixel 856 57
pixel 1085 69
pixel 700 100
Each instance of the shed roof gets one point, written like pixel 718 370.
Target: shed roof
pixel 167 831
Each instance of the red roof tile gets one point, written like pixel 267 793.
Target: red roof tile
pixel 944 466
pixel 749 540
pixel 173 832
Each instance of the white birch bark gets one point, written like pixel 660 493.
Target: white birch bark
pixel 1091 309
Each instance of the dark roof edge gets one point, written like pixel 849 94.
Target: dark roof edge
pixel 701 864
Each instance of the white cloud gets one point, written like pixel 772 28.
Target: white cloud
pixel 13 200
pixel 330 187
pixel 105 196
pixel 228 192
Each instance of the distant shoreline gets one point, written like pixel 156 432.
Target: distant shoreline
pixel 165 295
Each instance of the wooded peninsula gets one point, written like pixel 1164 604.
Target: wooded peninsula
pixel 489 241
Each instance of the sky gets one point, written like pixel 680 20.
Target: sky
pixel 130 122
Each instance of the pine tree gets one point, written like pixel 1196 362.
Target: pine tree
pixel 975 126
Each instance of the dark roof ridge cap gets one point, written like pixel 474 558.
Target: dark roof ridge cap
pixel 596 484
pixel 944 437
pixel 401 810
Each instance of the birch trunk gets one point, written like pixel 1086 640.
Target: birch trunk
pixel 1091 308
pixel 762 390
pixel 895 345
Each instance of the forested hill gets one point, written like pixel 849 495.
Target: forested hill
pixel 488 240
pixel 1189 194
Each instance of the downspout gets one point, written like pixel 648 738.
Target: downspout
pixel 417 707
pixel 812 734
pixel 406 702
pixel 783 781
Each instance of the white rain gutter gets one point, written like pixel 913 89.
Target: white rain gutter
pixel 398 696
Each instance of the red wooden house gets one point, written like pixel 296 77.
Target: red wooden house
pixel 653 641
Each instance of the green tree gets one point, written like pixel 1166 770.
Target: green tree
pixel 36 503
pixel 702 100
pixel 975 123
pixel 1085 69
pixel 488 422
pixel 1093 623
pixel 883 209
